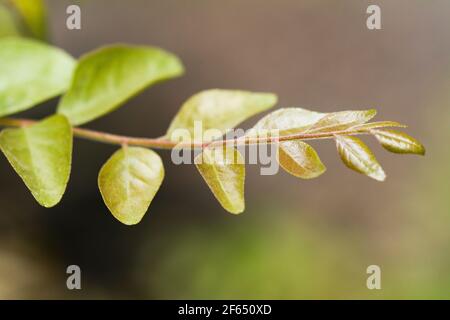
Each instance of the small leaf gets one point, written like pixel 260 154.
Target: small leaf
pixel 129 181
pixel 287 121
pixel 34 15
pixel 220 109
pixel 41 154
pixel 343 120
pixel 300 159
pixel 223 170
pixel 398 142
pixel 8 25
pixel 31 72
pixel 375 125
pixel 106 78
pixel 357 156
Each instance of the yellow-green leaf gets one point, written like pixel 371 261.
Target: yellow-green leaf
pixel 223 170
pixel 220 109
pixel 106 78
pixel 398 142
pixel 30 73
pixel 300 159
pixel 129 181
pixel 287 121
pixel 357 156
pixel 8 26
pixel 41 154
pixel 343 120
pixel 34 15
pixel 374 125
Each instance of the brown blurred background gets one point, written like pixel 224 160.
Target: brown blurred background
pixel 297 239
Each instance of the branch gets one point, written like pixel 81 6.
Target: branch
pixel 164 143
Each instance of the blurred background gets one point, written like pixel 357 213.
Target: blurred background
pixel 297 239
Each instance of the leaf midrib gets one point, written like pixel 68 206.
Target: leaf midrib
pixel 216 173
pixel 372 169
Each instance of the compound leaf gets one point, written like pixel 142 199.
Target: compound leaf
pixel 30 73
pixel 41 154
pixel 129 181
pixel 223 170
pixel 106 78
pixel 300 159
pixel 398 142
pixel 357 156
pixel 220 109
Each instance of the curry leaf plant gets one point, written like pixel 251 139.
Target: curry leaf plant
pixel 40 151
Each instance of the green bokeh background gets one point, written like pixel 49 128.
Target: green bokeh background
pixel 297 239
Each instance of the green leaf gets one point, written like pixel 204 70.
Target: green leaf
pixel 31 72
pixel 34 15
pixel 106 78
pixel 375 125
pixel 357 156
pixel 398 142
pixel 8 25
pixel 41 154
pixel 287 121
pixel 223 170
pixel 220 109
pixel 129 181
pixel 300 159
pixel 343 120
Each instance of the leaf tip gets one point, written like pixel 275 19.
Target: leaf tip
pixel 378 175
pixel 236 210
pixel 178 66
pixel 421 151
pixel 272 98
pixel 47 204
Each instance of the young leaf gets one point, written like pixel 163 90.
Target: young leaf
pixel 41 154
pixel 300 159
pixel 375 125
pixel 287 121
pixel 223 170
pixel 342 120
pixel 34 15
pixel 128 182
pixel 398 142
pixel 30 73
pixel 220 109
pixel 357 156
pixel 296 157
pixel 8 25
pixel 106 78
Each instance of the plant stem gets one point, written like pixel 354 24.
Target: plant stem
pixel 164 143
